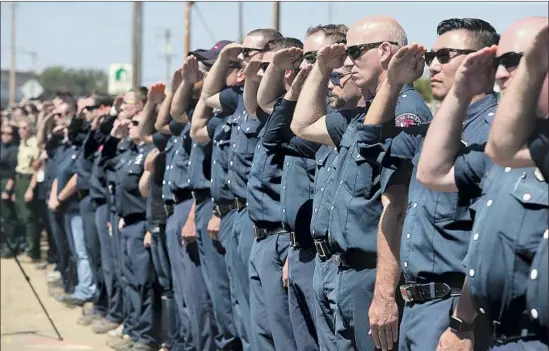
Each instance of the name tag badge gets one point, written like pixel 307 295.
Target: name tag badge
pixel 138 159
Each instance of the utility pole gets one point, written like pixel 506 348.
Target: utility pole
pixel 12 55
pixel 187 47
pixel 240 21
pixel 137 40
pixel 167 52
pixel 276 15
pixel 330 12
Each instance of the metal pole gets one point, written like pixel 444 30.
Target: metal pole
pixel 330 12
pixel 187 47
pixel 240 21
pixel 12 55
pixel 168 54
pixel 276 15
pixel 137 38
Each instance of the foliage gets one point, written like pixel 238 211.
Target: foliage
pixel 423 86
pixel 79 82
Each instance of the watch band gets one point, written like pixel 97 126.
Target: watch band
pixel 459 326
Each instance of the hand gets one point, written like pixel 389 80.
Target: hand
pixel 188 232
pixel 29 195
pixel 177 78
pixel 383 315
pixel 285 275
pixel 535 56
pixel 213 227
pixel 5 196
pixel 252 68
pixel 450 341
pixel 97 121
pixel 121 224
pixel 407 65
pixel 147 240
pixel 120 128
pixel 287 58
pixel 156 93
pixel 331 57
pixel 190 72
pixel 53 204
pixel 59 130
pixel 149 160
pixel 476 74
pixel 298 82
pixel 110 228
pixel 230 52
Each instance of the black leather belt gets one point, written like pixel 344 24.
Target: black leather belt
pixel 293 240
pixel 262 233
pixel 523 329
pixel 99 202
pixel 168 208
pixel 221 210
pixel 323 249
pixel 181 195
pixel 200 196
pixel 240 203
pixel 417 293
pixel 300 242
pixel 134 218
pixel 350 259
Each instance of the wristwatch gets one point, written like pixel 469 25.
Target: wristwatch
pixel 459 326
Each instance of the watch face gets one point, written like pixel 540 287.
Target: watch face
pixel 455 324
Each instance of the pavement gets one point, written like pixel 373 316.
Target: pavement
pixel 23 324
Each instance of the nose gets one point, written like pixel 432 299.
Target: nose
pixel 434 67
pixel 501 73
pixel 303 64
pixel 348 62
pixel 240 57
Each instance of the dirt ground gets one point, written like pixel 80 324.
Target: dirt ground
pixel 24 325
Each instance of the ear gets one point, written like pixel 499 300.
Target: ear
pixel 385 53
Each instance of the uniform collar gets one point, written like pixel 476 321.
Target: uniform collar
pixel 481 106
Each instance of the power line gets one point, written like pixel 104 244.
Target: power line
pixel 204 24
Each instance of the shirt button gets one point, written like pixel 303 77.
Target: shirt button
pixel 231 163
pixel 167 167
pixel 546 234
pixel 228 181
pixel 284 210
pixel 316 209
pixel 284 187
pixel 475 237
pixel 358 157
pixel 405 264
pixel 321 189
pixel 258 146
pixel 331 208
pixel 534 313
pixel 211 180
pixel 507 169
pixel 534 274
pixel 472 272
pixel 526 197
pixel 415 204
pixel 252 164
pixel 489 203
pixel 408 236
pixel 491 114
pixel 188 180
pixel 238 128
pixel 214 162
pixel 328 169
pixel 176 152
pixel 189 163
pixel 341 182
pixel 234 144
pixel 481 310
pixel 194 145
pixel 247 129
pixel 335 148
pixel 287 163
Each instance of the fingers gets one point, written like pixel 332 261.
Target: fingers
pixel 302 75
pixel 384 335
pixel 394 331
pixel 375 335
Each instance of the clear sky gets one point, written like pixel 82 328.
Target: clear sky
pixel 95 34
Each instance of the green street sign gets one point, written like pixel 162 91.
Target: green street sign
pixel 120 74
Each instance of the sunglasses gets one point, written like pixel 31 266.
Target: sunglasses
pixel 509 59
pixel 335 78
pixel 355 51
pixel 135 123
pixel 91 108
pixel 264 66
pixel 444 55
pixel 248 51
pixel 310 57
pixel 7 133
pixel 235 65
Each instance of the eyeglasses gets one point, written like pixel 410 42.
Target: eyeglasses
pixel 264 66
pixel 355 51
pixel 509 59
pixel 310 57
pixel 335 78
pixel 135 123
pixel 235 65
pixel 7 133
pixel 91 108
pixel 247 51
pixel 443 55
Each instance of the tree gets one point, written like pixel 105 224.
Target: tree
pixel 80 82
pixel 423 86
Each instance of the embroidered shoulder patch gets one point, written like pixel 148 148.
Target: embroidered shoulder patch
pixel 406 120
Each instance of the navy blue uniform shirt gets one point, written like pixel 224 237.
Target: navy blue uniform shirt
pixel 219 131
pixel 438 225
pixel 539 147
pixel 509 223
pixel 128 197
pixel 66 169
pixel 113 157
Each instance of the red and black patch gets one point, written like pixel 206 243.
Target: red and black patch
pixel 406 120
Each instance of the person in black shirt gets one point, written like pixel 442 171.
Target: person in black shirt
pixel 8 160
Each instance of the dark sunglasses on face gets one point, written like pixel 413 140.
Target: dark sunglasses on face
pixel 335 78
pixel 247 51
pixel 310 57
pixel 355 51
pixel 443 55
pixel 7 133
pixel 509 59
pixel 135 123
pixel 91 108
pixel 235 65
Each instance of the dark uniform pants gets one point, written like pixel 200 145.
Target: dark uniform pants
pixel 185 262
pixel 142 293
pixel 66 262
pixel 214 271
pixel 301 298
pixel 271 326
pixel 93 246
pixel 522 345
pixel 339 305
pixel 163 269
pixel 9 221
pixel 118 253
pixel 27 216
pixel 112 284
pixel 241 247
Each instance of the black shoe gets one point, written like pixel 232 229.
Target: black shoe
pixel 71 302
